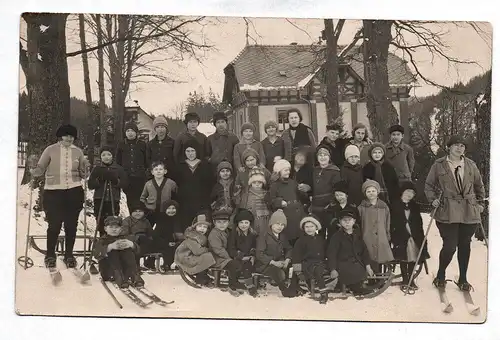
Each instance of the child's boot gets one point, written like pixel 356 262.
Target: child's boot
pixel 119 280
pixel 323 298
pixel 137 281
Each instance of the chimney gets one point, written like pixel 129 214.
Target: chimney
pixel 293 44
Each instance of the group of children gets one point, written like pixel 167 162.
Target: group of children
pixel 317 217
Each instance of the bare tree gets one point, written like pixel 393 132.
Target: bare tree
pixel 331 35
pixel 88 93
pixel 100 81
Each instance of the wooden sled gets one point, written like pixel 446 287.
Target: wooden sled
pixel 392 267
pixel 59 245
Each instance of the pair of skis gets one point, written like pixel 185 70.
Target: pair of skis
pixel 56 276
pixel 447 307
pixel 132 296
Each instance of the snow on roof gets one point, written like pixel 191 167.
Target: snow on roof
pixel 259 87
pixel 303 83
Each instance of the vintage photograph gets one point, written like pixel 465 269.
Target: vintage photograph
pixel 253 168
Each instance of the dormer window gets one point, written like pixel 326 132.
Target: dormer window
pixel 283 73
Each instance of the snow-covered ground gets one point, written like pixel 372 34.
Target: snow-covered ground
pixel 36 295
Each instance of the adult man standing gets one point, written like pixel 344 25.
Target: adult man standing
pixel 221 143
pixel 400 154
pixel 160 148
pixel 192 120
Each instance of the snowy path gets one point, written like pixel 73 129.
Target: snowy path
pixel 35 294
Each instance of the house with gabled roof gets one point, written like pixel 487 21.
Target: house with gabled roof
pixel 264 81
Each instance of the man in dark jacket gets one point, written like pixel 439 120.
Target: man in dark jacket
pixel 160 148
pixel 221 143
pixel 192 120
pixel 335 143
pixel 131 155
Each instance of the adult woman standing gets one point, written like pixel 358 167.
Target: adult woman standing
pixel 361 140
pixel 454 185
pixel 297 135
pixel 195 179
pixel 64 166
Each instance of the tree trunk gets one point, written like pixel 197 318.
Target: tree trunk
pixel 100 83
pixel 46 79
pixel 331 69
pixel 88 93
pixel 381 112
pixel 120 95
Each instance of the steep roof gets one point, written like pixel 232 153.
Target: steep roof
pixel 291 66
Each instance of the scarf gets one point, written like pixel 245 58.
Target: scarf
pixel 256 202
pixel 301 135
pixel 193 164
pixel 226 185
pixel 379 177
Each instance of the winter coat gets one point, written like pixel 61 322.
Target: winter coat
pixel 399 233
pixel 98 177
pixel 183 138
pixel 375 228
pixel 323 181
pixel 221 147
pixel 166 226
pixel 286 190
pixel 100 247
pixel 335 208
pixel 353 175
pixel 402 159
pixel 363 150
pixel 132 156
pixel 271 150
pixel 455 207
pixel 348 255
pixel 217 242
pixel 220 193
pixel 192 255
pixel 163 151
pixel 271 248
pixel 138 227
pixel 308 251
pixel 336 149
pixel 151 190
pixel 239 162
pixel 193 191
pixel 390 178
pixel 304 176
pixel 240 245
pixel 291 144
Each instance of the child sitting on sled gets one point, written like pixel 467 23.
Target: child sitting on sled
pixel 308 255
pixel 274 254
pixel 139 227
pixel 115 252
pixel 348 258
pixel 241 247
pixel 193 255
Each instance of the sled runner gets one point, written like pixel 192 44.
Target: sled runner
pixel 218 276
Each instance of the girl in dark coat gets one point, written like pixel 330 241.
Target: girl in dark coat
pixel 341 202
pixel 348 258
pixel 222 196
pixel 352 173
pixel 167 232
pixel 194 178
pixel 284 194
pixel 308 255
pixel 302 173
pixel 325 176
pixel 407 233
pixel 382 172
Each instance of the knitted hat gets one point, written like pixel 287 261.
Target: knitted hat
pixel 224 165
pixel 219 116
pixel 192 143
pixel 334 126
pixel 138 206
pixel 278 217
pixel 131 126
pixel 221 214
pixel 106 148
pixel 160 121
pixel 375 146
pixel 397 128
pixel 170 203
pixel 322 149
pixel 191 116
pixel 456 140
pixel 370 183
pixel 247 125
pixel 113 220
pixel 341 186
pixel 201 219
pixel 351 150
pixel 270 123
pixel 249 152
pixel 280 165
pixel 407 185
pixel 67 130
pixel 256 175
pixel 312 219
pixel 347 212
pixel 243 215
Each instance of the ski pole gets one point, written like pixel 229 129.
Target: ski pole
pixel 86 274
pixel 111 293
pixel 422 247
pixel 28 262
pixel 484 233
pixel 99 214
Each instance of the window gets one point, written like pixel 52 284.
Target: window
pixel 282 120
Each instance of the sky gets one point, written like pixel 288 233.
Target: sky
pixel 227 35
